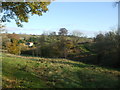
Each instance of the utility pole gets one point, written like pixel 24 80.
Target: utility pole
pixel 119 17
pixel 119 32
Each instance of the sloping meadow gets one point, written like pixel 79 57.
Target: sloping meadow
pixel 35 72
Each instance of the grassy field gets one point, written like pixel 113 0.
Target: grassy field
pixel 35 72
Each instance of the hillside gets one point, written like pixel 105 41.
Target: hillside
pixel 35 72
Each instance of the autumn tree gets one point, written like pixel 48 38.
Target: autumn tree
pixel 13 47
pixel 20 11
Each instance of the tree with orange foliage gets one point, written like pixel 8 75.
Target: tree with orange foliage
pixel 13 47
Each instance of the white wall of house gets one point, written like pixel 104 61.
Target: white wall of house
pixel 30 44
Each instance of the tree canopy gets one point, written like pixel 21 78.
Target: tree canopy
pixel 20 11
pixel 63 31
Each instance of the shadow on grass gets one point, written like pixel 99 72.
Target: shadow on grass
pixel 46 76
pixel 69 63
pixel 29 80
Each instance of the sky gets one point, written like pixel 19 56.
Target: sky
pixel 89 18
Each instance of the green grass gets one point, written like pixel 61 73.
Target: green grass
pixel 35 72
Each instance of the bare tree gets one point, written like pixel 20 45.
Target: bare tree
pixel 77 33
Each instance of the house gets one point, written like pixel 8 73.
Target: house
pixel 30 44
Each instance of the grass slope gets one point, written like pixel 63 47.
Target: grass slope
pixel 35 72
